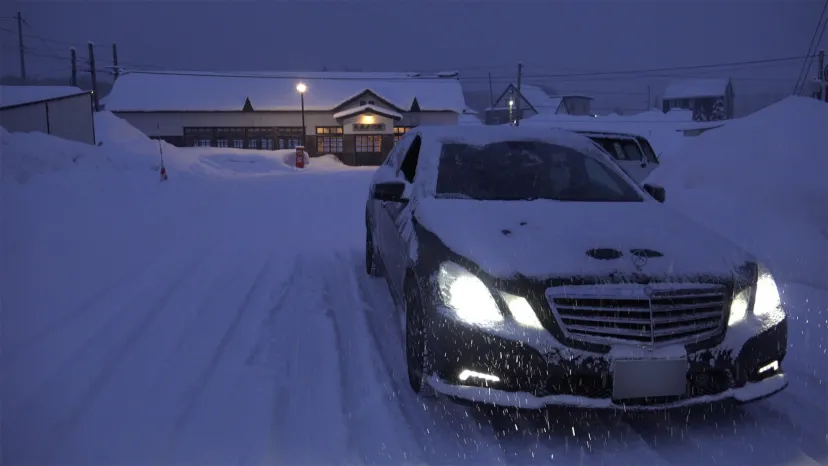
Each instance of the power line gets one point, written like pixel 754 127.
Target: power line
pixel 806 64
pixel 414 77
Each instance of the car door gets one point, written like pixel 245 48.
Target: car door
pixel 397 233
pixel 383 209
pixel 386 172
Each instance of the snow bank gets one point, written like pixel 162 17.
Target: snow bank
pixel 27 154
pixel 762 181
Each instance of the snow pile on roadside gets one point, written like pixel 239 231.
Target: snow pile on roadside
pixel 114 131
pixel 762 181
pixel 29 154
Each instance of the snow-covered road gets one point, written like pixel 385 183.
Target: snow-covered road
pixel 229 322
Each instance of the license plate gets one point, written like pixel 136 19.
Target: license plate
pixel 648 378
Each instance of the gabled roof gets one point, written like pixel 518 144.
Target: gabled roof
pixel 691 88
pixel 141 91
pixel 536 98
pixel 368 108
pixel 12 96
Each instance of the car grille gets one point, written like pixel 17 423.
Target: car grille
pixel 655 314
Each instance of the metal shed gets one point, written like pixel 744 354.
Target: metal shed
pixel 62 111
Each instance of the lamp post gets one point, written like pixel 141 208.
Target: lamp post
pixel 301 88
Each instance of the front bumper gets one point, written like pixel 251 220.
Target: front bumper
pixel 531 375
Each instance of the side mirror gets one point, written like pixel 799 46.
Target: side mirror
pixel 391 191
pixel 656 191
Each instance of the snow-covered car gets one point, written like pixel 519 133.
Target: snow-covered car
pixel 530 270
pixel 632 152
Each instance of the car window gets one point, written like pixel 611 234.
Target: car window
pixel 526 170
pixel 408 167
pixel 632 151
pixel 393 157
pixel 648 150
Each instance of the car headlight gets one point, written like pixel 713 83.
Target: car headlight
pixel 467 296
pixel 765 296
pixel 767 293
pixel 522 311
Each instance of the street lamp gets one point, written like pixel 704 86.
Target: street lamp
pixel 301 88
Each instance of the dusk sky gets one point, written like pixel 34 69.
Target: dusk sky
pixel 476 37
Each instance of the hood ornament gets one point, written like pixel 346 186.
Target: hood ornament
pixel 639 261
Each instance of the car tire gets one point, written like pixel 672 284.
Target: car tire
pixel 416 351
pixel 371 264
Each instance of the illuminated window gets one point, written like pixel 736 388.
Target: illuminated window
pixel 399 132
pixel 329 139
pixel 203 143
pixel 252 143
pixel 221 143
pixel 238 143
pixel 369 143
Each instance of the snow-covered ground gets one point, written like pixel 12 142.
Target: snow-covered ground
pixel 223 317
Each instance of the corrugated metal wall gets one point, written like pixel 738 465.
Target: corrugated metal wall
pixel 69 118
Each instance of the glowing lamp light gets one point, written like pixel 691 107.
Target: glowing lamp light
pixel 367 119
pixel 301 87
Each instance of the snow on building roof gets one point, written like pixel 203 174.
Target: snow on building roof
pixel 276 91
pixel 689 88
pixel 369 109
pixel 18 95
pixel 534 95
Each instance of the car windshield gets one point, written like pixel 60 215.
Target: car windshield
pixel 527 170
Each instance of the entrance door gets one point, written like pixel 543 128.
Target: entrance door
pixel 368 149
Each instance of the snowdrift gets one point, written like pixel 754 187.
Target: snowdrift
pixel 762 181
pixel 123 147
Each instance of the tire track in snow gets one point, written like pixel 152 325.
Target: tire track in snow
pixel 445 431
pixel 64 426
pixel 206 376
pixel 142 391
pixel 306 424
pixel 375 420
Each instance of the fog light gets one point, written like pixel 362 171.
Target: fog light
pixel 466 375
pixel 769 368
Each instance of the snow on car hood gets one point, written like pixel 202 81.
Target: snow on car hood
pixel 545 238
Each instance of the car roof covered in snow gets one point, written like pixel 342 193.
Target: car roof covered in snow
pixel 689 88
pixel 12 96
pixel 145 91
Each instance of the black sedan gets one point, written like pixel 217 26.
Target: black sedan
pixel 532 271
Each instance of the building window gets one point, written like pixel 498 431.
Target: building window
pixel 202 143
pixel 238 143
pixel 252 143
pixel 399 132
pixel 329 139
pixel 289 143
pixel 267 143
pixel 222 143
pixel 369 143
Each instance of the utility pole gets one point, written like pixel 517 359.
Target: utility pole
pixel 94 76
pixel 519 95
pixel 74 79
pixel 821 70
pixel 491 92
pixel 115 60
pixel 22 49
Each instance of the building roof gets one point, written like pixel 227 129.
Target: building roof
pixel 11 96
pixel 368 108
pixel 534 96
pixel 690 88
pixel 276 91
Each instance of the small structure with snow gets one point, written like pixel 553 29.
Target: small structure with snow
pixel 534 101
pixel 61 111
pixel 709 99
pixel 354 115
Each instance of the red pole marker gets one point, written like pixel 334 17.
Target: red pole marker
pixel 163 173
pixel 300 157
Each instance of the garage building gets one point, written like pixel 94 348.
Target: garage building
pixel 356 116
pixel 62 111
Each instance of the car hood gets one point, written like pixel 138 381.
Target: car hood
pixel 545 239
